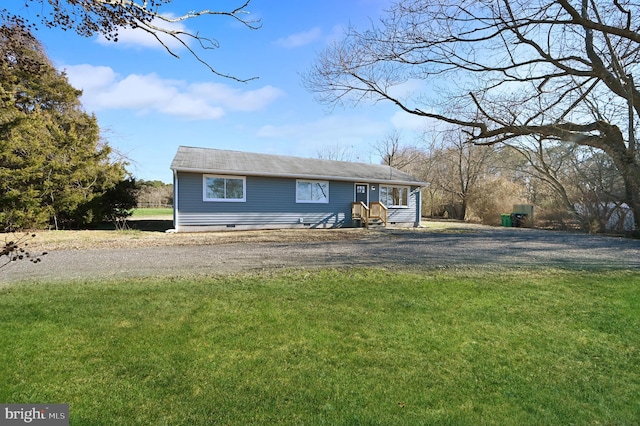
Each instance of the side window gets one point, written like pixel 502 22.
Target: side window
pixel 224 188
pixel 394 196
pixel 312 191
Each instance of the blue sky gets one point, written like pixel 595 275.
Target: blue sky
pixel 148 103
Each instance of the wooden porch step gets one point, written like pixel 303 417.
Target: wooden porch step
pixel 374 215
pixel 376 223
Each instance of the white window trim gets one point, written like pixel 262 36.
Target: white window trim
pixel 394 206
pixel 224 200
pixel 325 201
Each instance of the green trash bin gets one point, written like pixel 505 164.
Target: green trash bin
pixel 506 220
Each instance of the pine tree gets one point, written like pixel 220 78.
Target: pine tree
pixel 52 160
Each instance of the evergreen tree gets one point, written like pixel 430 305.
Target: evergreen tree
pixel 52 161
pixel 115 205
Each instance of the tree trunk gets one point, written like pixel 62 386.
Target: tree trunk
pixel 625 161
pixel 463 208
pixel 631 178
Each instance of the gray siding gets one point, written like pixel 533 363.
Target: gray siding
pixel 271 202
pixel 406 214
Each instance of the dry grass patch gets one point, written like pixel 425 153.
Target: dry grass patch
pixel 88 240
pixel 109 239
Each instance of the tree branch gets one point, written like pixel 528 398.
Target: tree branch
pixel 108 17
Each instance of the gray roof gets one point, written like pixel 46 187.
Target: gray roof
pixel 224 162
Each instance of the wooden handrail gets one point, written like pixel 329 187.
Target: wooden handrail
pixel 378 211
pixel 375 210
pixel 359 211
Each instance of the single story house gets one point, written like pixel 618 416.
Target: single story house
pixel 220 190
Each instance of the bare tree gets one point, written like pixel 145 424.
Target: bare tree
pixel 337 152
pixel 560 70
pixel 456 169
pixel 597 188
pixel 549 163
pixel 108 17
pixel 582 179
pixel 397 155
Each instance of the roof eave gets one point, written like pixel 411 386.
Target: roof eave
pixel 300 176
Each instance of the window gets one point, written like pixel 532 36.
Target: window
pixel 394 196
pixel 312 191
pixel 224 188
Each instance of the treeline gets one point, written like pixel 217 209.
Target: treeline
pixel 571 186
pixel 55 169
pixel 154 194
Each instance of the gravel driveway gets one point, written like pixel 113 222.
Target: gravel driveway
pixel 460 247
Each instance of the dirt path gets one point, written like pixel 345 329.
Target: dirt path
pixel 425 249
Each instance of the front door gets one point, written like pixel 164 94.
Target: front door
pixel 362 193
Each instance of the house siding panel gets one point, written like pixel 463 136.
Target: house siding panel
pixel 269 202
pixel 406 214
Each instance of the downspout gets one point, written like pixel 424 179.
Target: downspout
pixel 175 201
pixel 418 193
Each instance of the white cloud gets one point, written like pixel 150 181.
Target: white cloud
pixel 138 37
pixel 90 78
pixel 104 89
pixel 237 100
pixel 300 39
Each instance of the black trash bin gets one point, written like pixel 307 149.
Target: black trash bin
pixel 517 219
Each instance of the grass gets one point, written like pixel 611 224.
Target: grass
pixel 329 347
pixel 148 212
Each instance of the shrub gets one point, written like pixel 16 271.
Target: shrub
pixel 491 199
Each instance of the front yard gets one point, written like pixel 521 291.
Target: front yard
pixel 357 346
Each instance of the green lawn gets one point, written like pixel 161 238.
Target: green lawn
pixel 329 347
pixel 142 213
